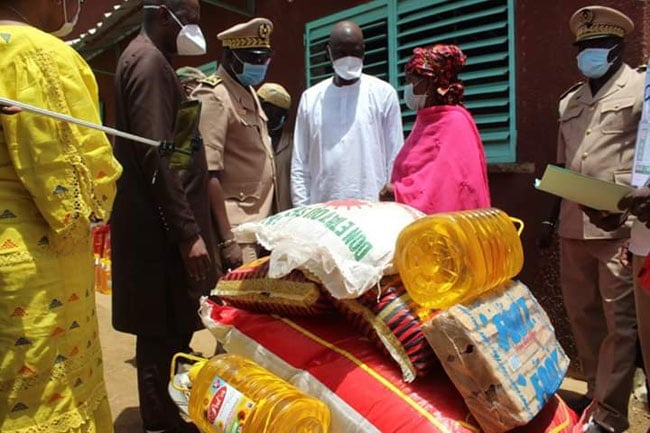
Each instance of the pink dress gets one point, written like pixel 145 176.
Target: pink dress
pixel 442 167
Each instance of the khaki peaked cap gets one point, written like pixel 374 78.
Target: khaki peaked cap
pixel 592 22
pixel 255 33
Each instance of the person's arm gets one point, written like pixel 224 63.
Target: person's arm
pixel 229 249
pixel 214 131
pixel 300 169
pixel 549 224
pixel 152 114
pixel 393 130
pixel 69 171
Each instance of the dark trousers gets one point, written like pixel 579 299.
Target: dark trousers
pixel 153 357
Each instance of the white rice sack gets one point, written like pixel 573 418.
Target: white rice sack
pixel 347 244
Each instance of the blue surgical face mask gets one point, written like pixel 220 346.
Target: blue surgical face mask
pixel 251 75
pixel 593 63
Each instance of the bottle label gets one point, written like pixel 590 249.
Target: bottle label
pixel 227 409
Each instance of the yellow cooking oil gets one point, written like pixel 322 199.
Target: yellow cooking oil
pixel 233 394
pixel 448 258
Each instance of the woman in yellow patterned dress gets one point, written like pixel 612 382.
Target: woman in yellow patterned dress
pixel 53 176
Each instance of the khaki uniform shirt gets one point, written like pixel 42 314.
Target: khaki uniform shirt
pixel 596 137
pixel 237 145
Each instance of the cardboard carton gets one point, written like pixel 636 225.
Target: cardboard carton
pixel 500 351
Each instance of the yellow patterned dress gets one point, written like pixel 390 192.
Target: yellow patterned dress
pixel 53 176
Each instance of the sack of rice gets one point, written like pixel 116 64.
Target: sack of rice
pixel 348 245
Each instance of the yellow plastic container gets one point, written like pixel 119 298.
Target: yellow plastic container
pixel 454 257
pixel 231 393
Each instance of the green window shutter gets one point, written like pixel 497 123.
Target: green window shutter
pixel 484 29
pixel 372 18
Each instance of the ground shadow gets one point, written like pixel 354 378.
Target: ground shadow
pixel 128 421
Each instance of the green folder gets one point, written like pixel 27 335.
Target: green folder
pixel 586 190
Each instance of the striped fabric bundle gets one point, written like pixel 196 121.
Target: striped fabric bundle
pixel 249 288
pixel 393 322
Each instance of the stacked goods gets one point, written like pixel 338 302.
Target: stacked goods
pixel 363 390
pixel 231 393
pixel 392 321
pixel 250 288
pixel 498 348
pixel 452 298
pixel 347 245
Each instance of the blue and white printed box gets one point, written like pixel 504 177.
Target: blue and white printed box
pixel 502 354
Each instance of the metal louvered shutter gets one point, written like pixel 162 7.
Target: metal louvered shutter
pixel 373 20
pixel 484 30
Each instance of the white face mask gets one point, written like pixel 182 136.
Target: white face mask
pixel 67 26
pixel 348 68
pixel 414 101
pixel 190 40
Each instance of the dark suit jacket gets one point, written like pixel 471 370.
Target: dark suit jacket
pixel 156 207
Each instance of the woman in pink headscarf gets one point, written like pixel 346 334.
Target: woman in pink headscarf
pixel 441 166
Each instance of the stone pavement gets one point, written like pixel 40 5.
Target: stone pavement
pixel 119 371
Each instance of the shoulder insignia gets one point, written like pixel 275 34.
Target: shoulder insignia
pixel 212 80
pixel 642 68
pixel 576 86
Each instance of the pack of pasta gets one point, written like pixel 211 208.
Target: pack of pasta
pixel 502 355
pixel 348 245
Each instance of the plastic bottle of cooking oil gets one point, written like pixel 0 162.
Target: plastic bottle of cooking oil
pixel 454 257
pixel 232 394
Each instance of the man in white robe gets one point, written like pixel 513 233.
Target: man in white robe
pixel 348 129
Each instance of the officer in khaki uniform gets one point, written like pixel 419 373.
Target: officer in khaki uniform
pixel 237 144
pixel 276 103
pixel 598 120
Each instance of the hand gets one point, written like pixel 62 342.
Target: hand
pixel 638 203
pixel 625 255
pixel 9 109
pixel 387 193
pixel 232 256
pixel 545 238
pixel 604 220
pixel 196 258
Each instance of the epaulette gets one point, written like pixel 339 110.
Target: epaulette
pixel 576 86
pixel 642 68
pixel 212 80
